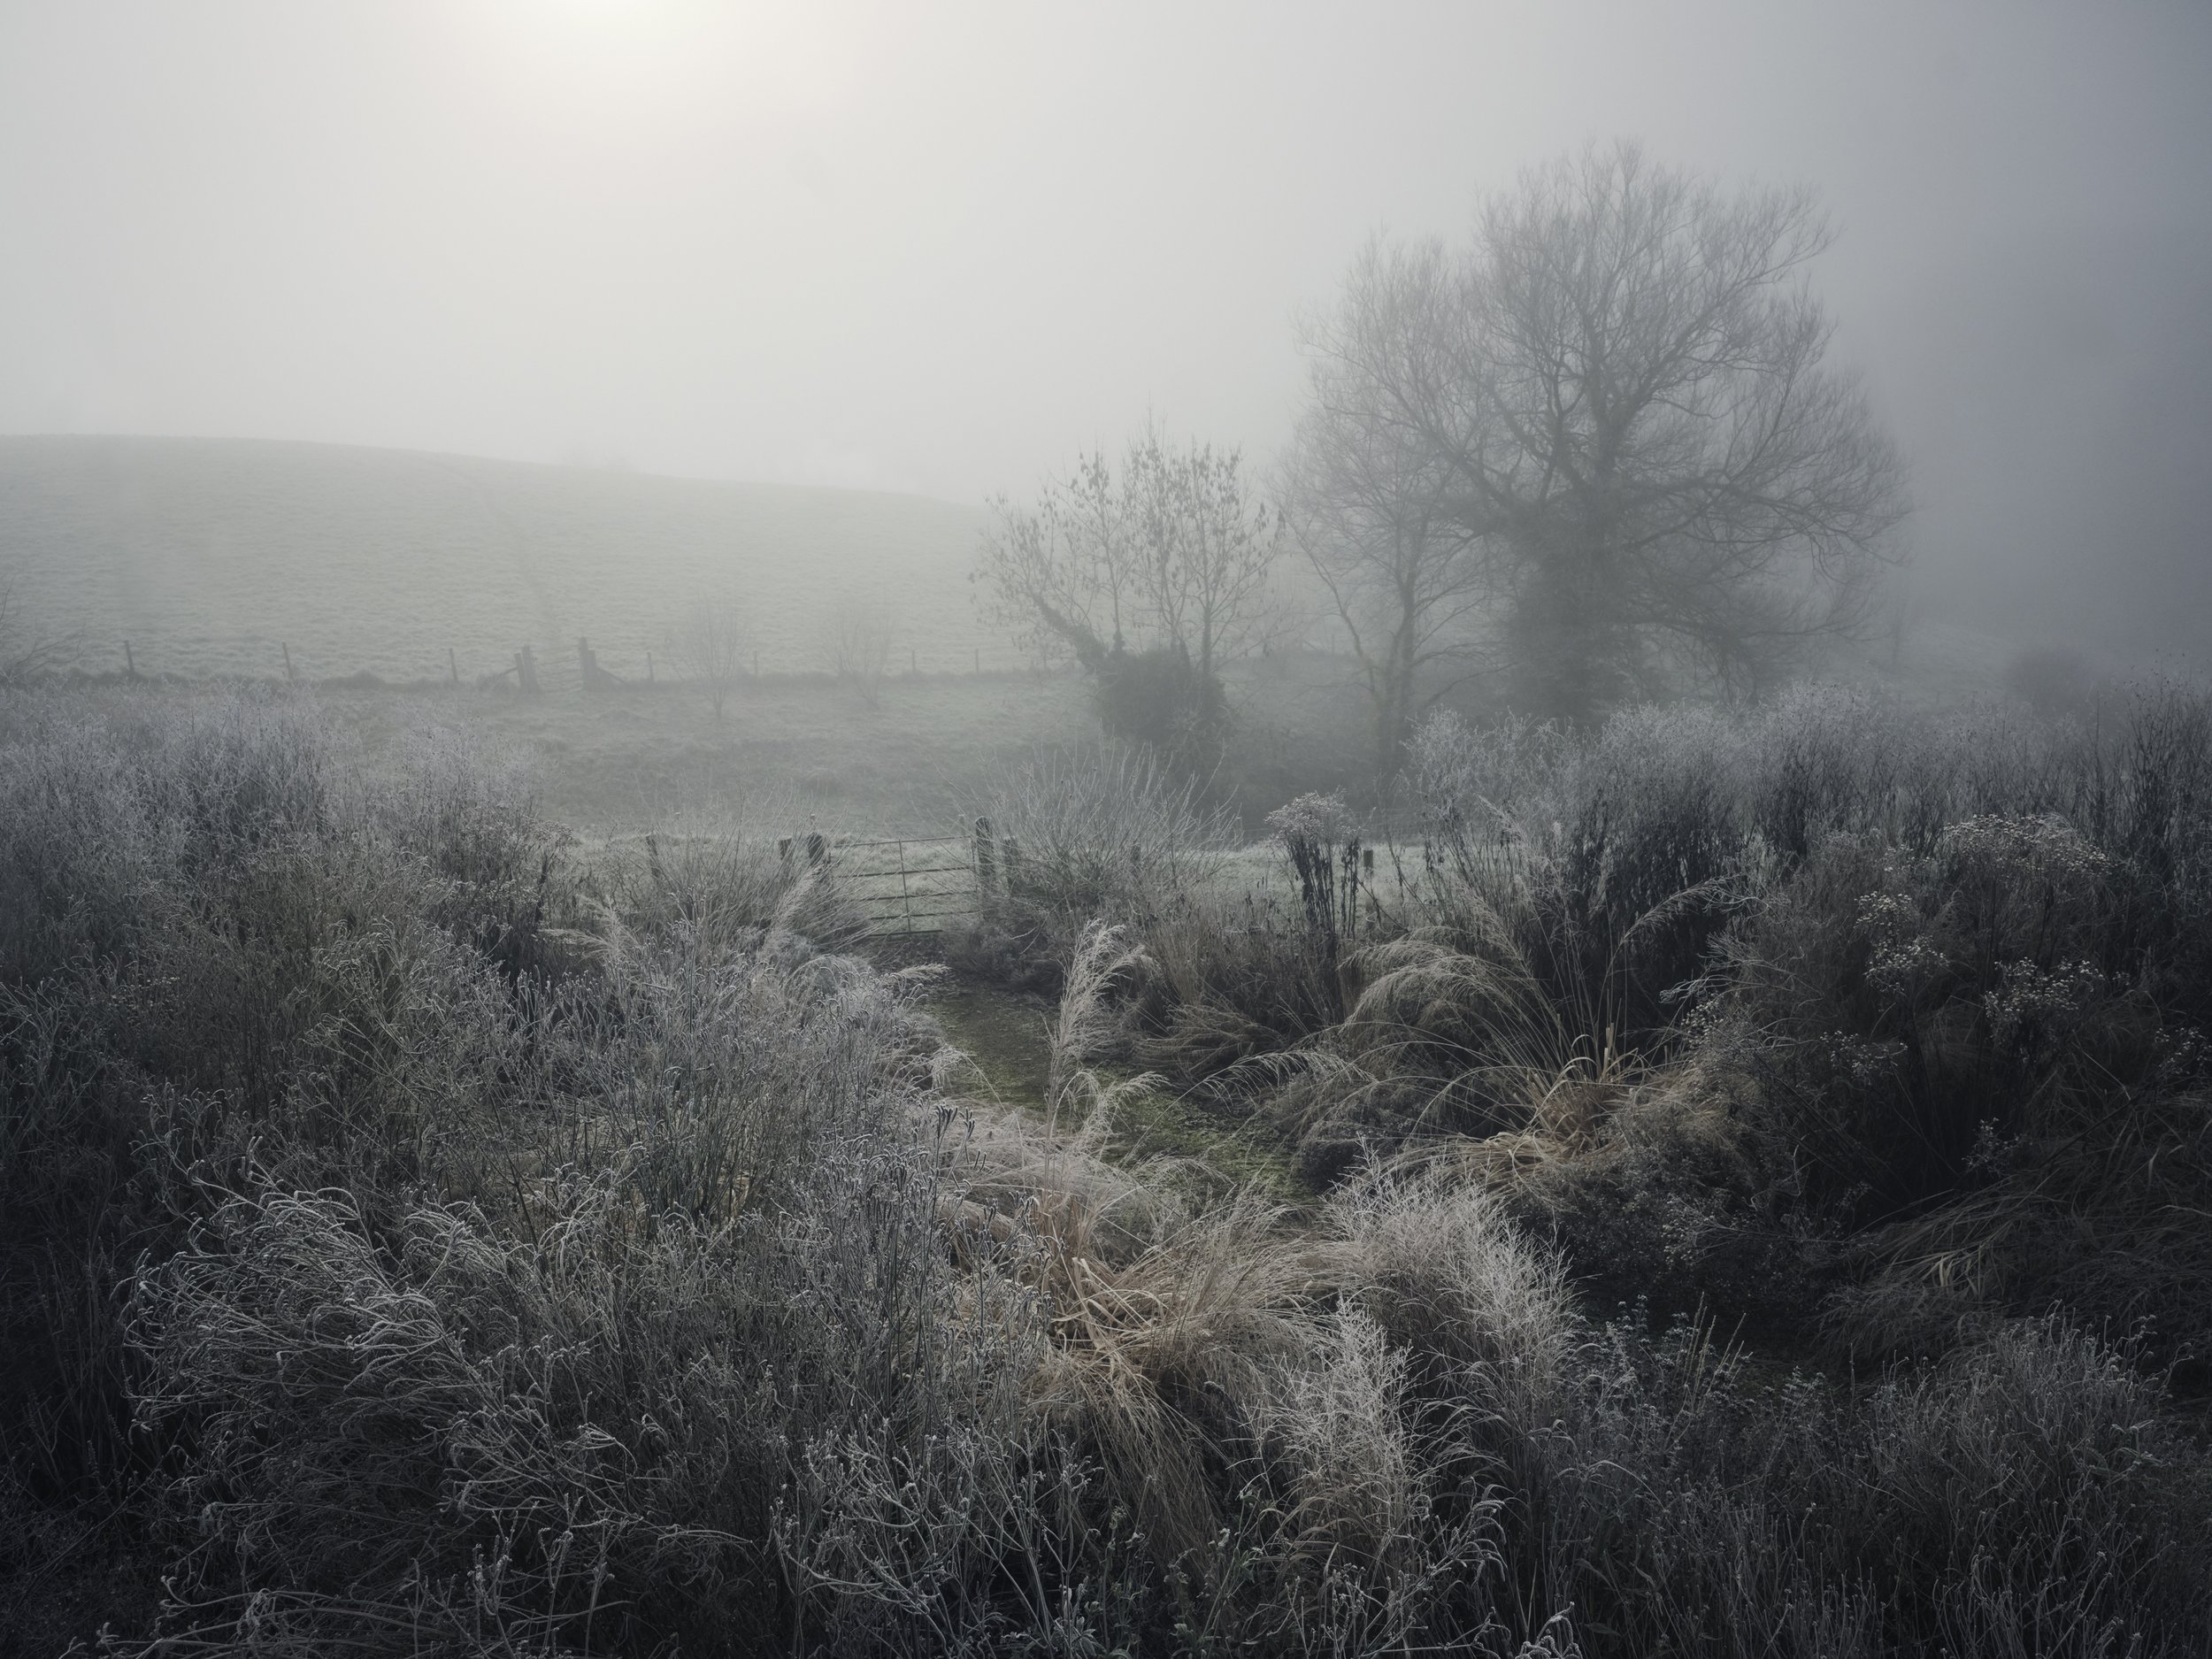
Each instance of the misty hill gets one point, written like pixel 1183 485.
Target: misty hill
pixel 207 555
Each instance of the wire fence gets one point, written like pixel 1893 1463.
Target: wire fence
pixel 569 666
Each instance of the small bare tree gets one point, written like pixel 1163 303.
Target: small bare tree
pixel 1169 557
pixel 27 652
pixel 856 641
pixel 712 648
pixel 1206 545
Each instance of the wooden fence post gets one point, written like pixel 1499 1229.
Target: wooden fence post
pixel 130 663
pixel 985 858
pixel 286 650
pixel 453 664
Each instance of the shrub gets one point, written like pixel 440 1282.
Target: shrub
pixel 1158 700
pixel 1681 1503
pixel 1076 835
pixel 381 1420
pixel 1096 832
pixel 425 1235
pixel 1944 977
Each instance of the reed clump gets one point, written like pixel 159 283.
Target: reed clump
pixel 422 1233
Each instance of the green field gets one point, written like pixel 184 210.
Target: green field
pixel 211 557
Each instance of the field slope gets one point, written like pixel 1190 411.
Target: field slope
pixel 209 554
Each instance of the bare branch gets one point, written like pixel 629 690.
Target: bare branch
pixel 1622 382
pixel 712 646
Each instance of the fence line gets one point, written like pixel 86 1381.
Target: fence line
pixel 575 664
pixel 572 663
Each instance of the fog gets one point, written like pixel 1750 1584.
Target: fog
pixel 939 250
pixel 924 829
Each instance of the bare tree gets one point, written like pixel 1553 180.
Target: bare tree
pixel 1171 554
pixel 1206 546
pixel 712 646
pixel 27 652
pixel 1624 375
pixel 856 641
pixel 1056 572
pixel 1368 507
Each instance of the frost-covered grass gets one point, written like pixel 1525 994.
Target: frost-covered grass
pixel 1862 1020
pixel 420 1233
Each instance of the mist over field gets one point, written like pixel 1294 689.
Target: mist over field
pixel 212 556
pixel 940 253
pixel 1119 832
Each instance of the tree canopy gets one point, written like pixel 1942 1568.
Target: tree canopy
pixel 1617 401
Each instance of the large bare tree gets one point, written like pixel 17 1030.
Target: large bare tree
pixel 1368 506
pixel 1625 376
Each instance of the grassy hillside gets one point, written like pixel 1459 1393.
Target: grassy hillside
pixel 207 555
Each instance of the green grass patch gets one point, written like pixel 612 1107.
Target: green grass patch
pixel 1155 1122
pixel 1004 1034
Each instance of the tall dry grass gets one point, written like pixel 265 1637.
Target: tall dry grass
pixel 1836 1013
pixel 426 1235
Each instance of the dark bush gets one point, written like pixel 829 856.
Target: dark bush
pixel 1159 699
pixel 1945 980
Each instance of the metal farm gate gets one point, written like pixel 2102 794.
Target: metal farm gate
pixel 902 885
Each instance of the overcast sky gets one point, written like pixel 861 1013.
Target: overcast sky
pixel 940 249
